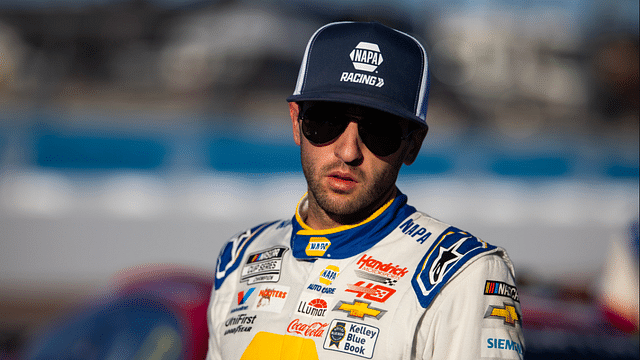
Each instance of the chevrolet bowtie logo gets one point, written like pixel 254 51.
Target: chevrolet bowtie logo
pixel 508 313
pixel 359 309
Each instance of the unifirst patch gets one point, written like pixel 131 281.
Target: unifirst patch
pixel 351 338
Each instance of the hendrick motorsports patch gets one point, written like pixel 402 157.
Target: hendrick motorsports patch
pixel 351 338
pixel 263 266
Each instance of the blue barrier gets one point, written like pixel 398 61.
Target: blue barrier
pixel 212 148
pixel 81 151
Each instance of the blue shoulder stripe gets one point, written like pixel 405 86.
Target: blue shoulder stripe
pixel 233 252
pixel 445 257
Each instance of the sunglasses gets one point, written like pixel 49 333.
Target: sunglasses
pixel 380 132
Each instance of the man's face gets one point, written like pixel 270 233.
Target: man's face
pixel 346 181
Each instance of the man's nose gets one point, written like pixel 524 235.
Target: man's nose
pixel 348 145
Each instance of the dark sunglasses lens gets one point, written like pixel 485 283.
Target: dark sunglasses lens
pixel 383 138
pixel 320 127
pixel 380 133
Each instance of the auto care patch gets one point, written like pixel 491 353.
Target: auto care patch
pixel 326 278
pixel 351 338
pixel 263 266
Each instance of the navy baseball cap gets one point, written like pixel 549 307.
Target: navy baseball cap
pixel 367 64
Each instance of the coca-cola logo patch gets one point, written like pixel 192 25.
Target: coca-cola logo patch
pixel 311 329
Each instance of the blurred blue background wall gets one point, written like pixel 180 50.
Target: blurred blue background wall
pixel 150 131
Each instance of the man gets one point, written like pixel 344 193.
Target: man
pixel 357 272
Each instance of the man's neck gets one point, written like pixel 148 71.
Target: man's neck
pixel 318 219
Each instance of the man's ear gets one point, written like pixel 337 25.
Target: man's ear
pixel 415 143
pixel 294 110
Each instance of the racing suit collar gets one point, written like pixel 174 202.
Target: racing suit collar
pixel 348 240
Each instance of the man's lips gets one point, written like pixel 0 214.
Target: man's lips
pixel 342 181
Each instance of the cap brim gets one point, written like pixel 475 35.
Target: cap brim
pixel 349 98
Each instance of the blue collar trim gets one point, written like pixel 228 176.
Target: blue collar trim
pixel 345 242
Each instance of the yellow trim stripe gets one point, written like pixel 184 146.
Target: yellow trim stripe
pixel 309 231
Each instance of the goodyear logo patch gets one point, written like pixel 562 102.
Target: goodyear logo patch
pixel 317 246
pixel 351 338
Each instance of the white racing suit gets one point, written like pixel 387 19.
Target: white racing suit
pixel 400 285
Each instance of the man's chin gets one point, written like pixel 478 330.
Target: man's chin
pixel 344 205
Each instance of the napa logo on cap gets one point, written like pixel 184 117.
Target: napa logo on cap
pixel 366 56
pixel 317 246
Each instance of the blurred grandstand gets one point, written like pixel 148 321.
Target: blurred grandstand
pixel 149 131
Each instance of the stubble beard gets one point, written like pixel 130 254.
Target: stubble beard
pixel 348 208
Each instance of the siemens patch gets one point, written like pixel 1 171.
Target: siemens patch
pixel 501 344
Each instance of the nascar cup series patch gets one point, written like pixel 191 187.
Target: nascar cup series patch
pixel 263 266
